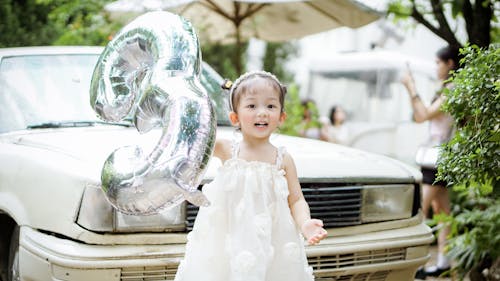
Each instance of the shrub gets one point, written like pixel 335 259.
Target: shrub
pixel 470 162
pixel 294 109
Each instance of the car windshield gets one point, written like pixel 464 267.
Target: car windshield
pixel 41 91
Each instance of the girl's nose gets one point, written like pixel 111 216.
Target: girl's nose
pixel 262 112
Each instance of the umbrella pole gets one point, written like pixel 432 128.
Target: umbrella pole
pixel 238 63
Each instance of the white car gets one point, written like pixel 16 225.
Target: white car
pixel 56 223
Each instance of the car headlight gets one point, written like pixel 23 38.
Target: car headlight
pixel 387 202
pixel 97 214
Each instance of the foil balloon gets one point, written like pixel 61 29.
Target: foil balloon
pixel 150 72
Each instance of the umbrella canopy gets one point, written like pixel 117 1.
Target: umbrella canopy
pixel 271 20
pixel 235 21
pixel 225 21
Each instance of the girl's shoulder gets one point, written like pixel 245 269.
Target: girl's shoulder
pixel 223 149
pixel 286 158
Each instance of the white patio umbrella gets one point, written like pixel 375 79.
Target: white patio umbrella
pixel 235 21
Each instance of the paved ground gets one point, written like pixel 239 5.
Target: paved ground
pixel 436 279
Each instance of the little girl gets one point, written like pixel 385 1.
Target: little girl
pixel 251 230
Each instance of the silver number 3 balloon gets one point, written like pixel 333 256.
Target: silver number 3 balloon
pixel 150 72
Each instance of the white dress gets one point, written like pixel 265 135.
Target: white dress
pixel 247 233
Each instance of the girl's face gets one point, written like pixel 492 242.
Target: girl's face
pixel 259 109
pixel 443 68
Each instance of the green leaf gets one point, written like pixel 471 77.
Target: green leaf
pixel 495 136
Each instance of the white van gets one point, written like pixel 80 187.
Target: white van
pixel 367 86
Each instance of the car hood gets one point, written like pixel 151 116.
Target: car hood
pixel 316 161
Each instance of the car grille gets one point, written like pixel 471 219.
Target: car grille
pixel 191 212
pixel 325 265
pixel 336 205
pixel 373 276
pixel 153 273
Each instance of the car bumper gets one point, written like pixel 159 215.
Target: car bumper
pixel 364 257
pixel 390 255
pixel 45 257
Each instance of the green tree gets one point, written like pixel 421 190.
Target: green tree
pixel 82 22
pixel 275 58
pixel 221 58
pixel 470 161
pixel 55 22
pixel 294 111
pixel 25 23
pixel 441 17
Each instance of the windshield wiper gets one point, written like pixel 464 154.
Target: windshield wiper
pixel 71 124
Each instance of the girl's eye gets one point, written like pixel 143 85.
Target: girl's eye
pixel 271 106
pixel 251 105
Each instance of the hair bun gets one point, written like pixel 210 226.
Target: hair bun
pixel 284 89
pixel 227 84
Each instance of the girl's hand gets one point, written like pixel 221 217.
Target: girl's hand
pixel 313 231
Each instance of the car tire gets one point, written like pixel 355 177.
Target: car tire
pixel 13 268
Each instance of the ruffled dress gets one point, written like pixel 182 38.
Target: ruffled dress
pixel 247 233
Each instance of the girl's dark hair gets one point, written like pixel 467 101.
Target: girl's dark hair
pixel 235 89
pixel 450 53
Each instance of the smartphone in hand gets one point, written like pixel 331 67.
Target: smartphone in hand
pixel 407 77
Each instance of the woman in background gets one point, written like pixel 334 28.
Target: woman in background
pixel 435 193
pixel 336 131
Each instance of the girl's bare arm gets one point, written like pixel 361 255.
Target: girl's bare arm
pixel 312 229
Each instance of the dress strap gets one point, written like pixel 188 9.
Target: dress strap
pixel 235 149
pixel 279 157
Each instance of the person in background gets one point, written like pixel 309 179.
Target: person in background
pixel 435 193
pixel 335 130
pixel 310 126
